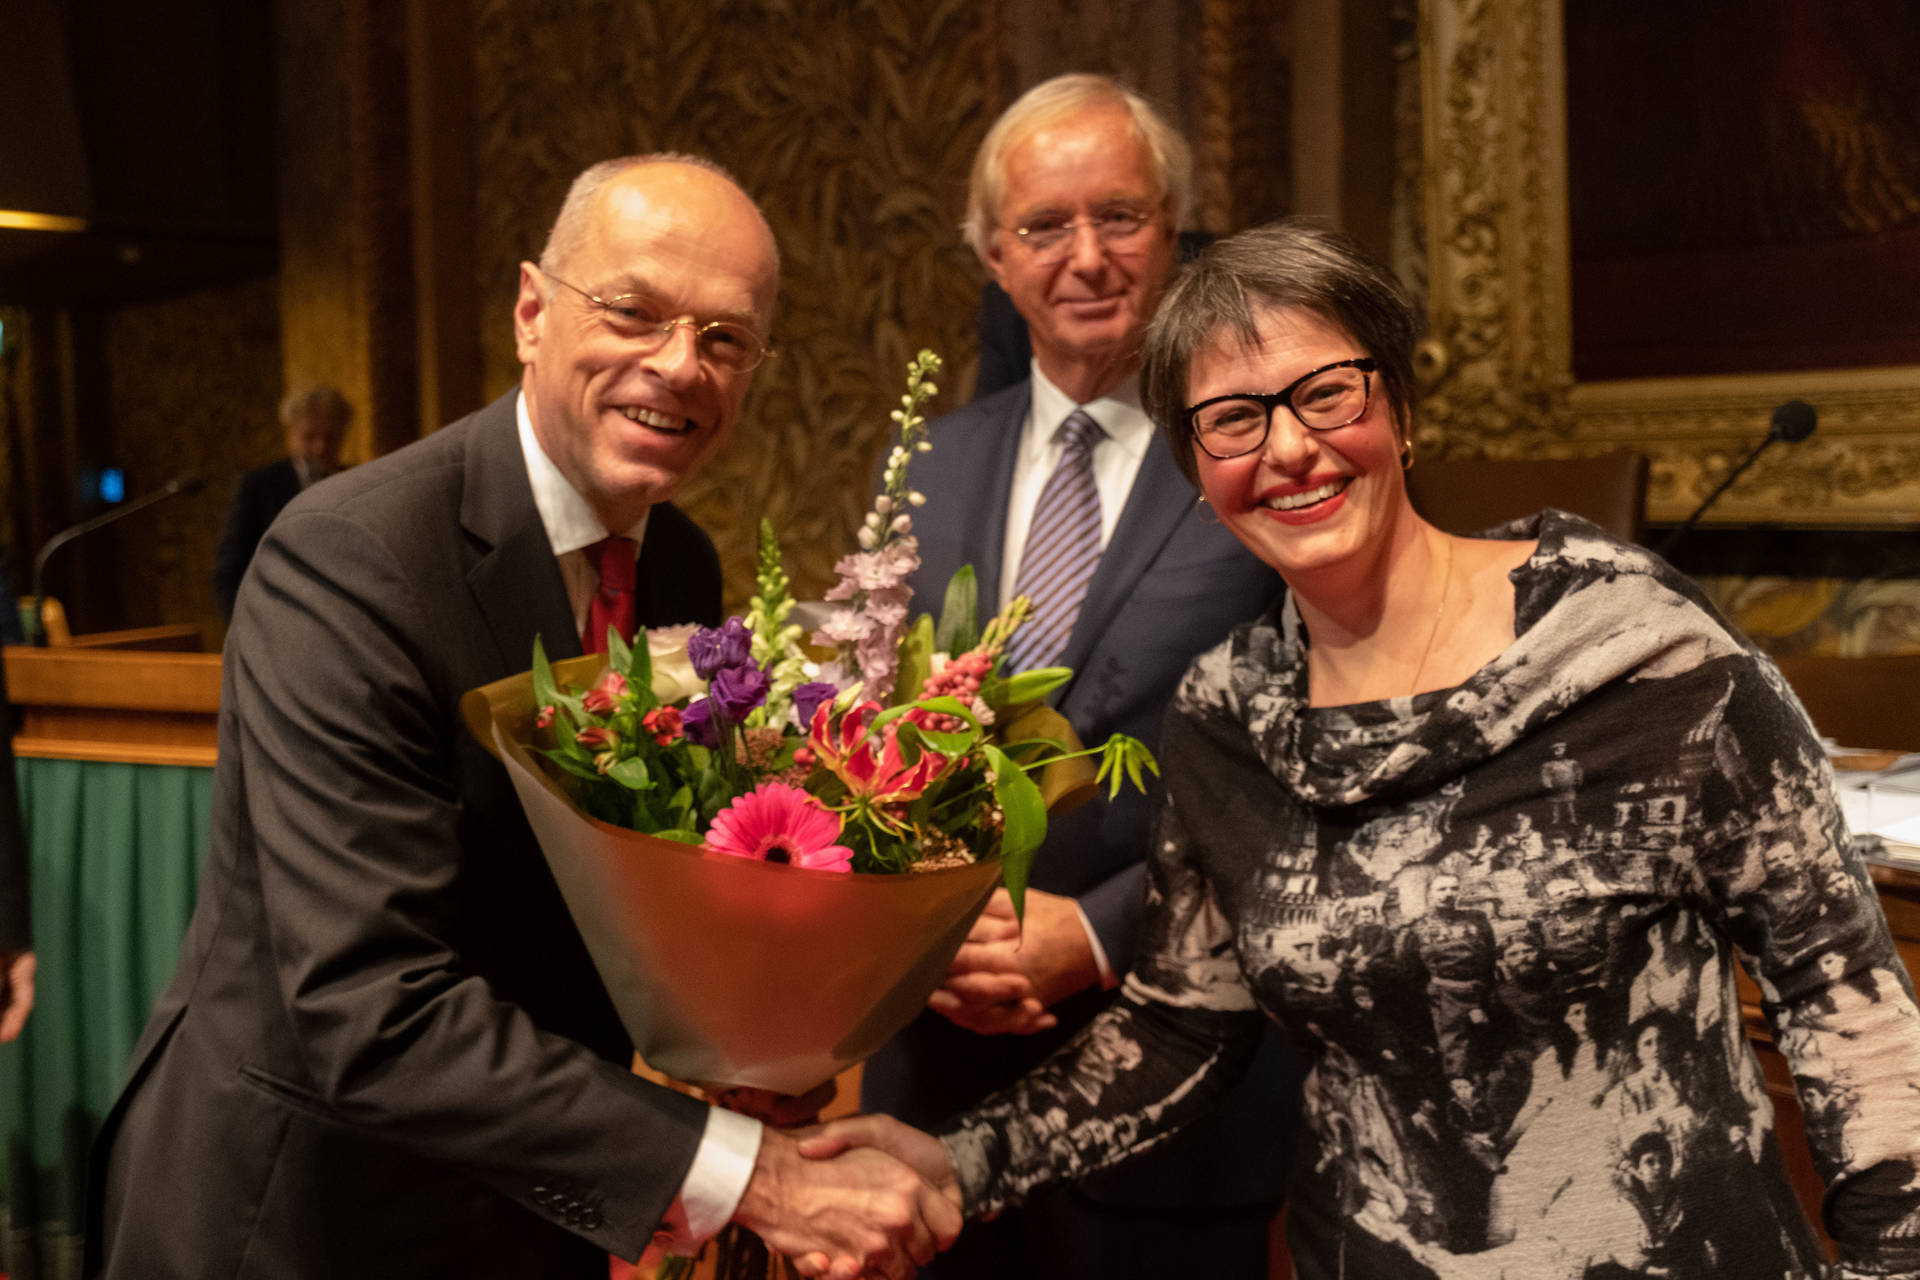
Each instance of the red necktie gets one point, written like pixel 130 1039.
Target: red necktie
pixel 612 604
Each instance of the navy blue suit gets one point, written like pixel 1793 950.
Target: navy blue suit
pixel 1168 587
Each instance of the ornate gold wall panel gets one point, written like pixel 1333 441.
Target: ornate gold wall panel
pixel 854 125
pixel 194 384
pixel 1500 355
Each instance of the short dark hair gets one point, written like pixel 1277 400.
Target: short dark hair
pixel 1651 1143
pixel 1295 262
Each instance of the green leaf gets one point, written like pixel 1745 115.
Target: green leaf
pixel 639 672
pixel 1026 823
pixel 619 654
pixel 944 704
pixel 1028 686
pixel 572 764
pixel 680 835
pixel 949 744
pixel 959 629
pixel 545 692
pixel 631 773
pixel 1128 758
pixel 680 807
pixel 916 660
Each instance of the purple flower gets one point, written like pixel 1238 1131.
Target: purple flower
pixel 808 697
pixel 738 690
pixel 696 723
pixel 715 649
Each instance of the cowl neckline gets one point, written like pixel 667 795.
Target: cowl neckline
pixel 1590 612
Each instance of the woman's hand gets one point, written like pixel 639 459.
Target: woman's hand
pixel 925 1154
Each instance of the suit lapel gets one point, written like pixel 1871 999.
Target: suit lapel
pixel 1159 500
pixel 993 489
pixel 516 581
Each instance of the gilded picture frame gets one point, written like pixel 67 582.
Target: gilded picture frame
pixel 1497 367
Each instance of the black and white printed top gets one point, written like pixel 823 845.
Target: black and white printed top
pixel 1502 919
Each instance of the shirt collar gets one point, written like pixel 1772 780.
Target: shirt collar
pixel 1118 413
pixel 570 523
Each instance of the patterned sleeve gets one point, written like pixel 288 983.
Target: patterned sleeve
pixel 1783 881
pixel 1184 1030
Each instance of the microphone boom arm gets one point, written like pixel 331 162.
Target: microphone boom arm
pixel 179 484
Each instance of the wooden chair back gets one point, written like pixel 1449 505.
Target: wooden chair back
pixel 1466 495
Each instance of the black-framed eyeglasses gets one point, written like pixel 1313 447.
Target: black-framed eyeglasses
pixel 639 321
pixel 1334 395
pixel 1050 235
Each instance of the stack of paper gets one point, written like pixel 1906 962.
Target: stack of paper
pixel 1883 807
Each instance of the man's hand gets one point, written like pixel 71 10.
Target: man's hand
pixel 925 1154
pixel 860 1212
pixel 16 992
pixel 1003 981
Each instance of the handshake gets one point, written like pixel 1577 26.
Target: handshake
pixel 861 1197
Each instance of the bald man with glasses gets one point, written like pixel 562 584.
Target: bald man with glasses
pixel 385 1051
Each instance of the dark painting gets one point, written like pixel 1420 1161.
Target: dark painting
pixel 1744 183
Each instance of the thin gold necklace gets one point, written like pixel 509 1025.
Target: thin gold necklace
pixel 1446 586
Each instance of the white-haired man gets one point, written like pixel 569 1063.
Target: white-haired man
pixel 385 1051
pixel 315 420
pixel 1055 488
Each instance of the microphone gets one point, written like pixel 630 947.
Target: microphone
pixel 191 482
pixel 1791 423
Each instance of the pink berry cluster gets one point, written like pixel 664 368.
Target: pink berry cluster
pixel 960 678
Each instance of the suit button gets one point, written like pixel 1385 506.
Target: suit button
pixel 541 1195
pixel 590 1219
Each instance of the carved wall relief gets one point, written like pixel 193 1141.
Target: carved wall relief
pixel 855 130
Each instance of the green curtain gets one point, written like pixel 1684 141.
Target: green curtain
pixel 115 851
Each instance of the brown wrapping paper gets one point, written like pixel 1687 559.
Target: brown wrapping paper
pixel 729 971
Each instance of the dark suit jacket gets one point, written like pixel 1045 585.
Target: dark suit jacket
pixel 1168 587
pixel 385 1051
pixel 262 494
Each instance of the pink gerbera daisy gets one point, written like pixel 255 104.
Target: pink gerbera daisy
pixel 779 823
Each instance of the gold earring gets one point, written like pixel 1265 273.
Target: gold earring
pixel 1206 513
pixel 1406 454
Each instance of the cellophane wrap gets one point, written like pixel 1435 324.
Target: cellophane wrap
pixel 730 971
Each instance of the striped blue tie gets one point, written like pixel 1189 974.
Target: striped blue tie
pixel 1063 547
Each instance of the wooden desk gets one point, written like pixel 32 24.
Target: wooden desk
pixel 129 705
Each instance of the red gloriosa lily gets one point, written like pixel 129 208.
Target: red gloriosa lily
pixel 848 750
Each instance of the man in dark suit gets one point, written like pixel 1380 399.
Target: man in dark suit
pixel 385 1051
pixel 316 421
pixel 1076 199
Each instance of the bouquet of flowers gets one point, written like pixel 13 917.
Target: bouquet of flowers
pixel 774 860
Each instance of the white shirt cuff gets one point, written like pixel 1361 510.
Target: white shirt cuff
pixel 715 1181
pixel 1108 978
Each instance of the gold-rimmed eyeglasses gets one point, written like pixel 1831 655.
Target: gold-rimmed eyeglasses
pixel 640 321
pixel 1050 236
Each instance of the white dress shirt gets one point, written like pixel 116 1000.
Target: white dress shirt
pixel 724 1161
